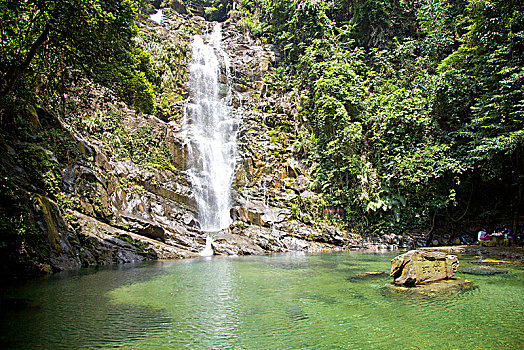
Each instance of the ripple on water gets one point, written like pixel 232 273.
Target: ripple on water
pixel 254 304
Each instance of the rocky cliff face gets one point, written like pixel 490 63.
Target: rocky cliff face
pixel 95 183
pixel 270 183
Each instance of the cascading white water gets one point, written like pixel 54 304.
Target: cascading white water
pixel 208 250
pixel 211 131
pixel 158 16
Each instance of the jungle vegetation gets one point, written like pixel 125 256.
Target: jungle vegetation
pixel 48 46
pixel 412 112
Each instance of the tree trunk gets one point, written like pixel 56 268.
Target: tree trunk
pixel 16 72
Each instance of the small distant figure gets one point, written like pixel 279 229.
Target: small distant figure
pixel 508 235
pixel 483 236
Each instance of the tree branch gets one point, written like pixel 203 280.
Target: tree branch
pixel 16 72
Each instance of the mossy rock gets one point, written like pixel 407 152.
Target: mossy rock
pixel 418 267
pixel 51 218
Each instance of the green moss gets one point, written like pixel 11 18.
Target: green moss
pixel 50 216
pixel 141 245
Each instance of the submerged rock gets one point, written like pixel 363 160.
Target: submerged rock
pixel 416 267
pixel 442 288
pixel 482 270
pixel 367 275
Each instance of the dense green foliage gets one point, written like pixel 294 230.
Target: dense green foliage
pixel 211 10
pixel 48 46
pixel 411 111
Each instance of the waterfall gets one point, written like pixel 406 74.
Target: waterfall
pixel 208 250
pixel 157 17
pixel 210 127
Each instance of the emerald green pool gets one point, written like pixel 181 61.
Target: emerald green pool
pixel 270 302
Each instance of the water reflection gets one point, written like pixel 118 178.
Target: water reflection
pixel 278 302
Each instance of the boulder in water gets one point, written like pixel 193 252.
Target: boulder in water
pixel 418 266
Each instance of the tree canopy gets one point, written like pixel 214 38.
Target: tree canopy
pixel 48 45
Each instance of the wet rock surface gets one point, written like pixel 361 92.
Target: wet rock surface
pixel 512 254
pixel 417 267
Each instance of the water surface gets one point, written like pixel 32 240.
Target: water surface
pixel 271 302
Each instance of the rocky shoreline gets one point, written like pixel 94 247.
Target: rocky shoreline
pixel 510 254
